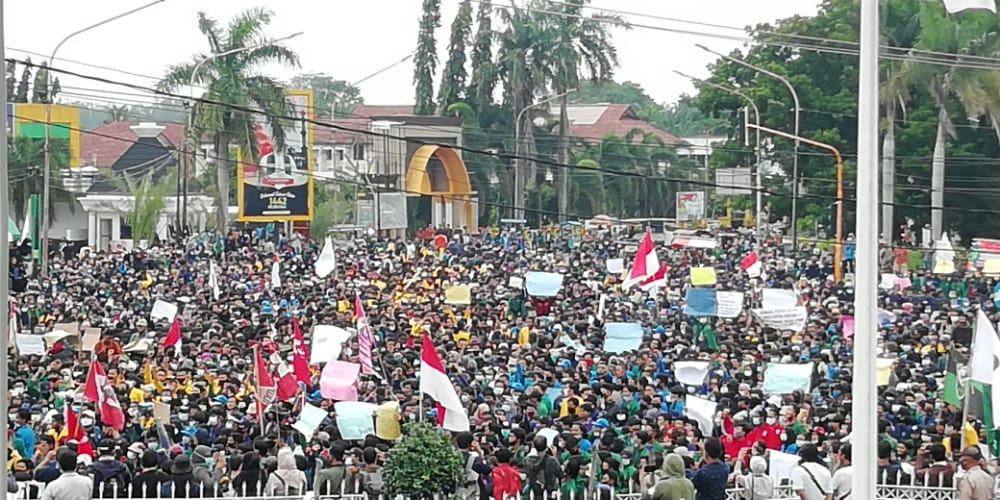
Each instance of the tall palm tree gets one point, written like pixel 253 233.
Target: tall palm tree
pixel 976 90
pixel 234 81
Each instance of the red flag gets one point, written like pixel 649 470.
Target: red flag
pixel 75 432
pixel 287 385
pixel 656 280
pixel 267 392
pixel 646 262
pixel 99 390
pixel 751 264
pixel 300 357
pixel 173 338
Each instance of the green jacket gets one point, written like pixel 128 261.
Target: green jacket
pixel 673 485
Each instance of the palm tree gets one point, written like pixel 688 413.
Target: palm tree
pixel 977 90
pixel 234 81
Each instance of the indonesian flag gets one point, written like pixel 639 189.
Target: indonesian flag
pixel 287 385
pixel 657 280
pixel 263 141
pixel 751 264
pixel 434 382
pixel 267 391
pixel 99 390
pixel 365 339
pixel 174 338
pixel 300 356
pixel 646 262
pixel 76 432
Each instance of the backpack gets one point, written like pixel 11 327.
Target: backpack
pixel 538 479
pixel 372 483
pixel 114 485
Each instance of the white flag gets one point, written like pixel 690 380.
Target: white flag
pixel 276 274
pixel 691 372
pixel 327 260
pixel 956 6
pixel 213 280
pixel 701 411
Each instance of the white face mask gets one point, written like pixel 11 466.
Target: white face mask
pixel 213 421
pixel 86 421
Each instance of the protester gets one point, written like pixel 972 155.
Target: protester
pixel 184 331
pixel 69 485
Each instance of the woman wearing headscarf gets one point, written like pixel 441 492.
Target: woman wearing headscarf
pixel 756 485
pixel 672 485
pixel 287 480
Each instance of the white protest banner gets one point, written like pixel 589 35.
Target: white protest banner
pixel 778 298
pixel 615 266
pixel 788 318
pixel 888 281
pixel 30 345
pixel 728 304
pixel 327 343
pixel 354 419
pixel 310 419
pixel 786 378
pixel 163 310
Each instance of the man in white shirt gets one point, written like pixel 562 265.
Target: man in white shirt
pixel 811 478
pixel 69 485
pixel 841 483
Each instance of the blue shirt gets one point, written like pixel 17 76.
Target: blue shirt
pixel 710 481
pixel 27 437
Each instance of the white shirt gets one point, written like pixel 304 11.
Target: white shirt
pixel 69 486
pixel 841 483
pixel 802 482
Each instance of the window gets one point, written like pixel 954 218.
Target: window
pixel 327 155
pixel 359 152
pixel 340 154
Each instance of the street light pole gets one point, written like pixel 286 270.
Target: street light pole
pixel 863 388
pixel 756 112
pixel 795 155
pixel 5 258
pixel 46 175
pixel 519 179
pixel 838 248
pixel 189 131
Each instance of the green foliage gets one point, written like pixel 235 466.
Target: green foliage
pixel 149 197
pixel 423 463
pixel 25 158
pixel 453 79
pixel 235 80
pixel 333 206
pixel 425 61
pixel 329 93
pixel 483 83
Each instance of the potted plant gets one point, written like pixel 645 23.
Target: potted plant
pixel 423 464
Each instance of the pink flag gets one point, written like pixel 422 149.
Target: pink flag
pixel 847 323
pixel 339 381
pixel 364 337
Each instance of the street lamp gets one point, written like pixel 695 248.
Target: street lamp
pixel 795 156
pixel 519 180
pixel 756 113
pixel 188 153
pixel 48 124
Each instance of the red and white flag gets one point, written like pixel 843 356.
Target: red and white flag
pixel 300 355
pixel 267 391
pixel 657 280
pixel 99 390
pixel 365 340
pixel 174 338
pixel 76 432
pixel 434 382
pixel 646 262
pixel 287 386
pixel 751 264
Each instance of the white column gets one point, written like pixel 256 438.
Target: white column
pixel 116 226
pixel 92 235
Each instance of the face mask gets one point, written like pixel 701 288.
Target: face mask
pixel 36 418
pixel 213 421
pixel 11 417
pixel 132 455
pixel 209 462
pixel 771 421
pixel 756 421
pixel 465 398
pixel 183 417
pixel 153 446
pixel 747 373
pixel 86 421
pixel 800 442
pixel 784 437
pixel 230 425
pixel 498 390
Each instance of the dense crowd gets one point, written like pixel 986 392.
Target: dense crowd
pixel 550 409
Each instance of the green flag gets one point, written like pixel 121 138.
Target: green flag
pixel 706 330
pixel 953 390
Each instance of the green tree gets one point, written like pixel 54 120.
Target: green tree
pixel 483 82
pixel 598 92
pixel 454 77
pixel 118 113
pixel 149 198
pixel 425 61
pixel 24 84
pixel 334 205
pixel 234 81
pixel 424 463
pixel 25 161
pixel 329 93
pixel 683 118
pixel 40 91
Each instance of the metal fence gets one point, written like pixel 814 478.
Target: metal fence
pixel 33 491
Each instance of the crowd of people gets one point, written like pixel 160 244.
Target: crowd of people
pixel 551 410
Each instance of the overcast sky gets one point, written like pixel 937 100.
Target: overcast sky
pixel 352 39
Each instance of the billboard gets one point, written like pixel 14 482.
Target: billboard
pixel 28 120
pixel 279 187
pixel 690 205
pixel 733 181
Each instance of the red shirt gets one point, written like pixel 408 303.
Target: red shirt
pixel 769 434
pixel 734 445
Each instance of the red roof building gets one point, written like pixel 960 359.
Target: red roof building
pixel 591 122
pixel 103 146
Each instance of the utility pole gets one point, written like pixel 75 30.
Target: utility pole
pixel 564 160
pixel 5 258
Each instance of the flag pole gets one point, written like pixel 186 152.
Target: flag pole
pixel 967 383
